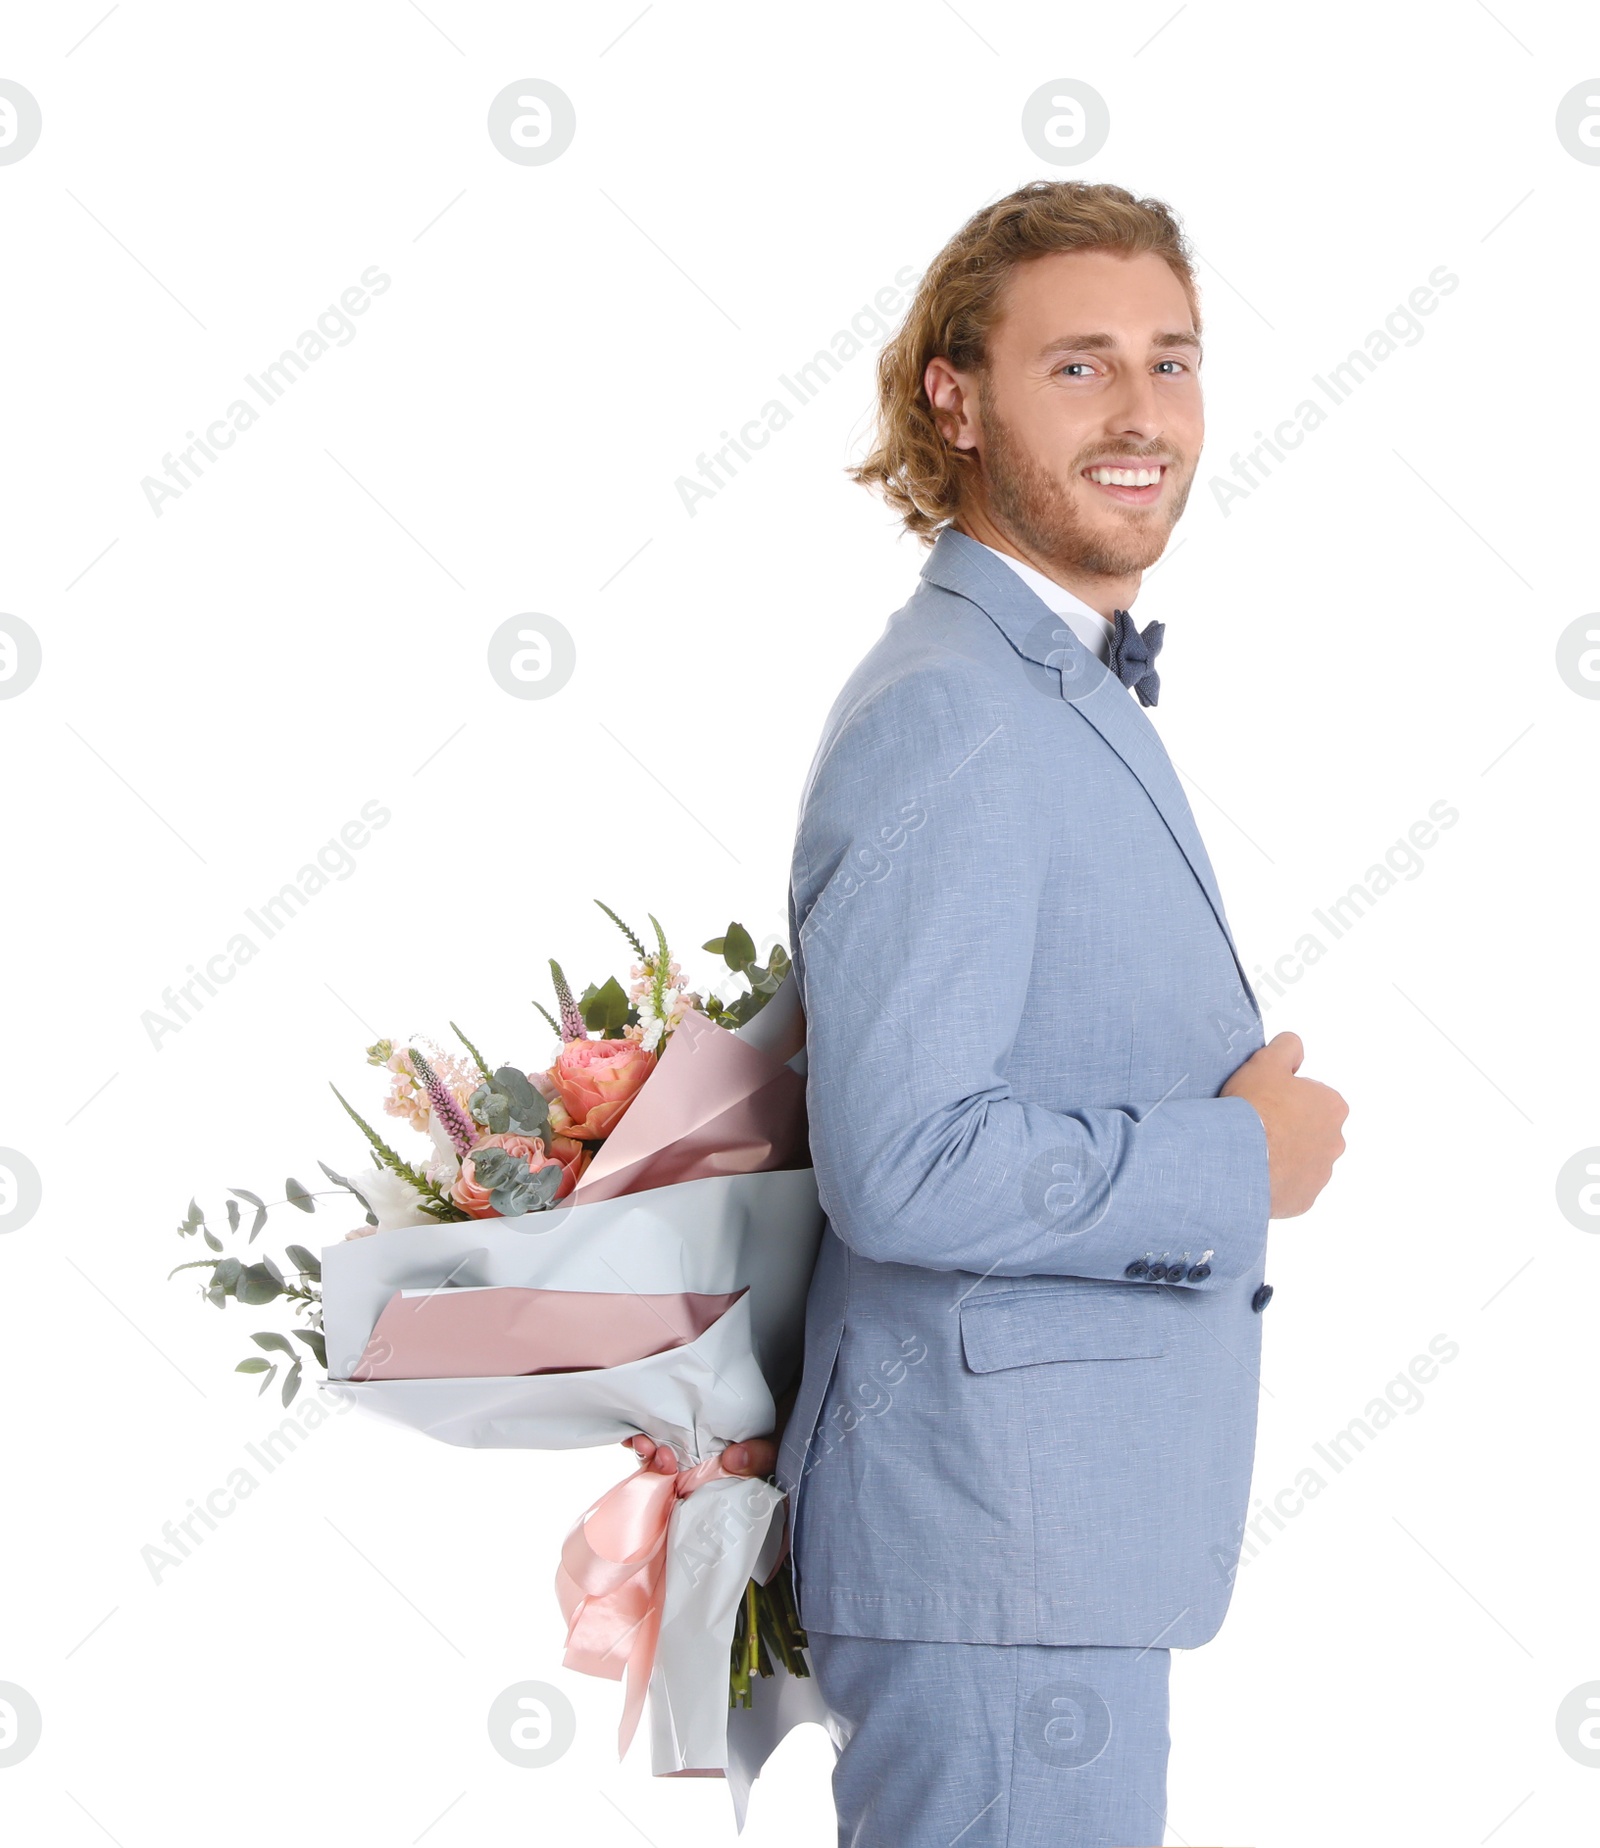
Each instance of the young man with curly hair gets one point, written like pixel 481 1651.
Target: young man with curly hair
pixel 1047 1133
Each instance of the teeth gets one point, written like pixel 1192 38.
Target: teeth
pixel 1126 477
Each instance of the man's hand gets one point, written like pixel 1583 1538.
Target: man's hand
pixel 756 1456
pixel 1301 1118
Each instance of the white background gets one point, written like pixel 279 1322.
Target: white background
pixel 1371 631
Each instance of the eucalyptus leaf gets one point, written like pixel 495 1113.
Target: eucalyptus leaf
pixel 606 1010
pixel 211 1238
pixel 306 1262
pixel 274 1343
pixel 298 1196
pixel 339 1180
pixel 291 1382
pixel 316 1341
pixel 508 1104
pixel 490 1109
pixel 255 1364
pixel 256 1284
pixel 233 1215
pixel 738 947
pixel 513 1189
pixel 258 1203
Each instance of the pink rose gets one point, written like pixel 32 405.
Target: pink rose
pixel 473 1199
pixel 574 1157
pixel 597 1080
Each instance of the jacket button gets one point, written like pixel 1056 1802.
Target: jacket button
pixel 1262 1297
pixel 1199 1272
pixel 1136 1269
pixel 1158 1273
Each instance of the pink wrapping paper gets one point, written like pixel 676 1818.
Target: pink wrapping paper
pixel 714 1105
pixel 493 1333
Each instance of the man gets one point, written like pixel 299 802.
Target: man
pixel 1047 1135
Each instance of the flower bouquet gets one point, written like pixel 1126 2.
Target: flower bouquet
pixel 618 1243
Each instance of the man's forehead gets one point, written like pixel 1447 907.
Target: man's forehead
pixel 1087 301
pixel 1108 340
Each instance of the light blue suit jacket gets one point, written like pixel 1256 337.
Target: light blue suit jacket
pixel 1028 1406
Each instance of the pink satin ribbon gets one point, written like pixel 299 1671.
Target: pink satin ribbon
pixel 612 1579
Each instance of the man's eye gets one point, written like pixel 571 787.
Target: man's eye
pixel 1176 364
pixel 1079 364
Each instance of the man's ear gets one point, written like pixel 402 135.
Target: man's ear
pixel 950 394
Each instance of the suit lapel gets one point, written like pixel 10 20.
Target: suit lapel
pixel 962 565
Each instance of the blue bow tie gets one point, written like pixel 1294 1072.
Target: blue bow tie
pixel 1133 655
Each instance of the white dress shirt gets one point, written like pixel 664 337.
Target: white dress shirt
pixel 1090 627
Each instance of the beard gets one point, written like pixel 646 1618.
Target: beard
pixel 1033 506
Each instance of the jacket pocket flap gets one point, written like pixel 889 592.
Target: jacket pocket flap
pixel 1023 1328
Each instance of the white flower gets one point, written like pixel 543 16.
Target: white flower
pixel 392 1197
pixel 442 1171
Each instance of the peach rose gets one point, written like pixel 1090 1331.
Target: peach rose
pixel 574 1157
pixel 473 1199
pixel 597 1080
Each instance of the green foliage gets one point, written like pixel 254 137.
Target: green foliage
pixel 607 1010
pixel 256 1284
pixel 306 1262
pixel 350 1188
pixel 638 947
pixel 477 1057
pixel 513 1188
pixel 509 1105
pixel 255 1201
pixel 431 1201
pixel 737 949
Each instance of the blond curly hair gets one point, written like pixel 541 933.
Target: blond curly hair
pixel 959 300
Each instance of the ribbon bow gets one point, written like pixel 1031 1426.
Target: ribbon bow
pixel 612 1579
pixel 1133 654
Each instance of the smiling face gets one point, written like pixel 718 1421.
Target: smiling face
pixel 1088 418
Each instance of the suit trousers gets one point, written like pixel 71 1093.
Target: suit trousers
pixel 996 1745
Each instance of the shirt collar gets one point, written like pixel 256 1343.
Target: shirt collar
pixel 1090 627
